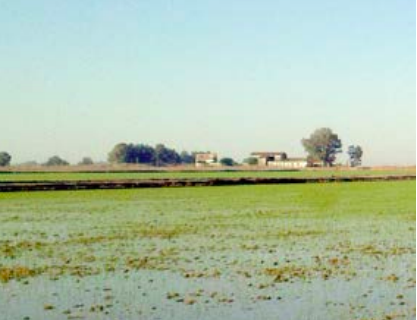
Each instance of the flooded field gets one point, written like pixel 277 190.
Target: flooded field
pixel 315 251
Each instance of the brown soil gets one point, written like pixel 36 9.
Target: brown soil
pixel 10 186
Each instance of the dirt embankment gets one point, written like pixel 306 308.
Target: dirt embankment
pixel 10 186
pixel 107 168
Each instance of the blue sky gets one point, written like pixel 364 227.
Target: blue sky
pixel 77 77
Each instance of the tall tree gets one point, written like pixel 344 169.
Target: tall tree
pixel 323 145
pixel 355 155
pixel 166 156
pixel 144 154
pixel 187 158
pixel 56 161
pixel 118 153
pixel 5 159
pixel 131 153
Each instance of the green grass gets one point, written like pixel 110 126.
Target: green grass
pixel 337 251
pixel 22 176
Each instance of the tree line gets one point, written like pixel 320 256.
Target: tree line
pixel 322 146
pixel 160 155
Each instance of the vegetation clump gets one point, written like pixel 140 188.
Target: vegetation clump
pixel 5 159
pixel 16 272
pixel 56 161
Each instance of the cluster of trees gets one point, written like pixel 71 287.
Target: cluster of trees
pixel 58 161
pixel 160 155
pixel 323 145
pixel 5 160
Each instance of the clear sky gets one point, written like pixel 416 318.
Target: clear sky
pixel 77 77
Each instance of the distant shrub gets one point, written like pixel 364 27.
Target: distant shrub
pixel 56 161
pixel 86 161
pixel 5 159
pixel 252 161
pixel 228 162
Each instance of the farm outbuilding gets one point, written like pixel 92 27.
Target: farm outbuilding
pixel 279 159
pixel 206 159
pixel 267 158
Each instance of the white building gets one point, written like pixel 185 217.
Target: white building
pixel 279 160
pixel 290 163
pixel 206 159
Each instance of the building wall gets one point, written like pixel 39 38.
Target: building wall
pixel 276 161
pixel 207 164
pixel 288 164
pixel 262 162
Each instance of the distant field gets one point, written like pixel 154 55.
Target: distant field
pixel 48 176
pixel 313 251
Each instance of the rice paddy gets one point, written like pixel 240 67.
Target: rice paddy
pixel 314 251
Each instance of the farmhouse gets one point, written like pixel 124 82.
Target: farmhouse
pixel 279 159
pixel 206 159
pixel 267 158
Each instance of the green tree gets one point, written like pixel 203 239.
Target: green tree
pixel 86 161
pixel 118 153
pixel 355 155
pixel 144 154
pixel 227 162
pixel 141 153
pixel 5 159
pixel 252 161
pixel 166 156
pixel 187 158
pixel 131 153
pixel 56 161
pixel 323 145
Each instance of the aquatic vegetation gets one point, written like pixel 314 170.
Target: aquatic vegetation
pixel 16 272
